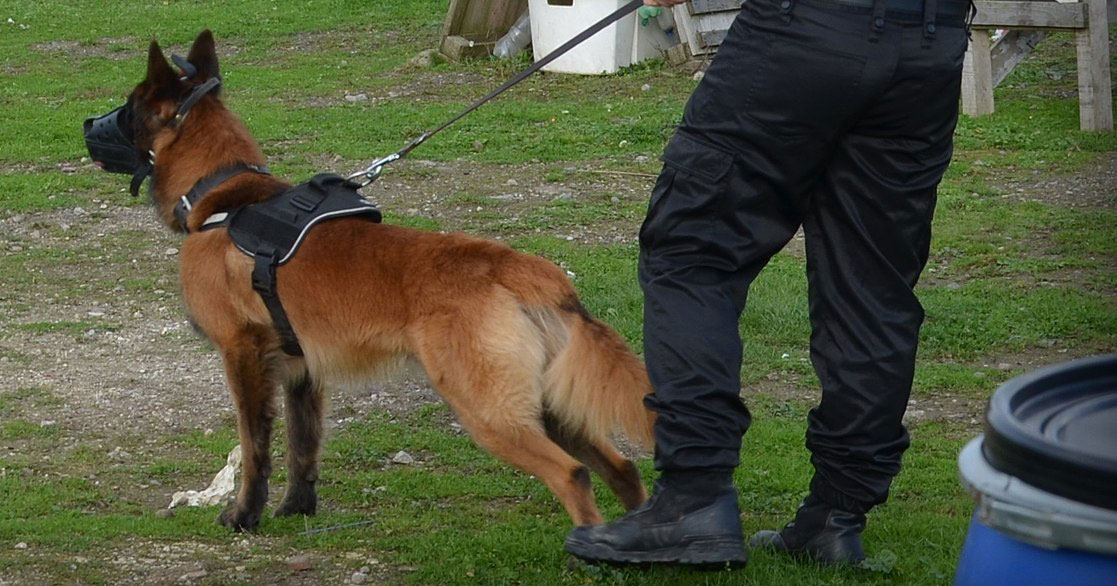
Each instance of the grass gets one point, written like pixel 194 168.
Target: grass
pixel 460 517
pixel 1010 283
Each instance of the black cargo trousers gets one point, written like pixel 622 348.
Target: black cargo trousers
pixel 836 119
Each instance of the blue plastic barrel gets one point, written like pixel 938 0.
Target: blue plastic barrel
pixel 1044 476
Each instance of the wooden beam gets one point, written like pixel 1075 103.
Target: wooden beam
pixel 684 24
pixel 481 20
pixel 454 16
pixel 707 6
pixel 1010 50
pixel 711 28
pixel 977 76
pixel 713 38
pixel 1026 14
pixel 457 48
pixel 1095 88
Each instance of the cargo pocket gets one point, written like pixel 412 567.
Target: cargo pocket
pixel 690 197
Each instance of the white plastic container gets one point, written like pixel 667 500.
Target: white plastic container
pixel 619 45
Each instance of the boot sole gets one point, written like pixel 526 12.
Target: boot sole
pixel 803 554
pixel 709 554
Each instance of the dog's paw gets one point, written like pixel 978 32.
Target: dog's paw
pixel 238 519
pixel 298 503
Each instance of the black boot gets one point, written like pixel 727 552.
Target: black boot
pixel 689 520
pixel 819 532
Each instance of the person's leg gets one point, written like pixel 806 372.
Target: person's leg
pixel 868 236
pixel 698 256
pixel 867 242
pixel 755 136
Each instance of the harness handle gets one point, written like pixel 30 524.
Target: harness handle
pixel 372 172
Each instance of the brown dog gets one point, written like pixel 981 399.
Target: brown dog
pixel 503 338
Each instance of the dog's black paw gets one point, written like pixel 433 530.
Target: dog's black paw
pixel 239 520
pixel 298 503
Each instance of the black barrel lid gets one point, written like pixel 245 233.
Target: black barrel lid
pixel 1056 429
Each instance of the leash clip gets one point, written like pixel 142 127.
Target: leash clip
pixel 372 172
pixel 366 176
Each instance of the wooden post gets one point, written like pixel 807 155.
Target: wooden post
pixel 1095 89
pixel 473 26
pixel 977 76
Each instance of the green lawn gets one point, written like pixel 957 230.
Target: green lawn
pixel 1021 274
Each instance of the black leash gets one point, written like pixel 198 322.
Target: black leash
pixel 370 173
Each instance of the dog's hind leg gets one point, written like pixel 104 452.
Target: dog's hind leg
pixel 304 435
pixel 619 472
pixel 528 448
pixel 492 384
pixel 250 375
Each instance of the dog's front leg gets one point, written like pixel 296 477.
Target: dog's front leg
pixel 252 386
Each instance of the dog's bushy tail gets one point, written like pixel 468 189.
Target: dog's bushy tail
pixel 594 384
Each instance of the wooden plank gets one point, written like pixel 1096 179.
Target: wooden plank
pixel 711 28
pixel 703 24
pixel 684 22
pixel 712 39
pixel 1027 14
pixel 708 6
pixel 457 48
pixel 977 76
pixel 454 17
pixel 1010 50
pixel 1095 88
pixel 482 21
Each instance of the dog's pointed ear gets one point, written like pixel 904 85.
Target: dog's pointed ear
pixel 159 72
pixel 203 55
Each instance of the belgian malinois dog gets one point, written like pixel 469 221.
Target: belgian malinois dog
pixel 502 336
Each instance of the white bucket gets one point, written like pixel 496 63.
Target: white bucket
pixel 618 45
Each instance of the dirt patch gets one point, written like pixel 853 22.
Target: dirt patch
pixel 112 48
pixel 1094 186
pixel 245 559
pixel 434 87
pixel 353 41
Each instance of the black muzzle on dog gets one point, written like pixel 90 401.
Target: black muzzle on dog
pixel 112 147
pixel 109 140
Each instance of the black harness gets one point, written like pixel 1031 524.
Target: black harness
pixel 271 231
pixel 204 185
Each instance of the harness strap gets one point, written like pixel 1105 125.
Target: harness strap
pixel 142 172
pixel 188 69
pixel 264 283
pixel 271 231
pixel 195 95
pixel 208 183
